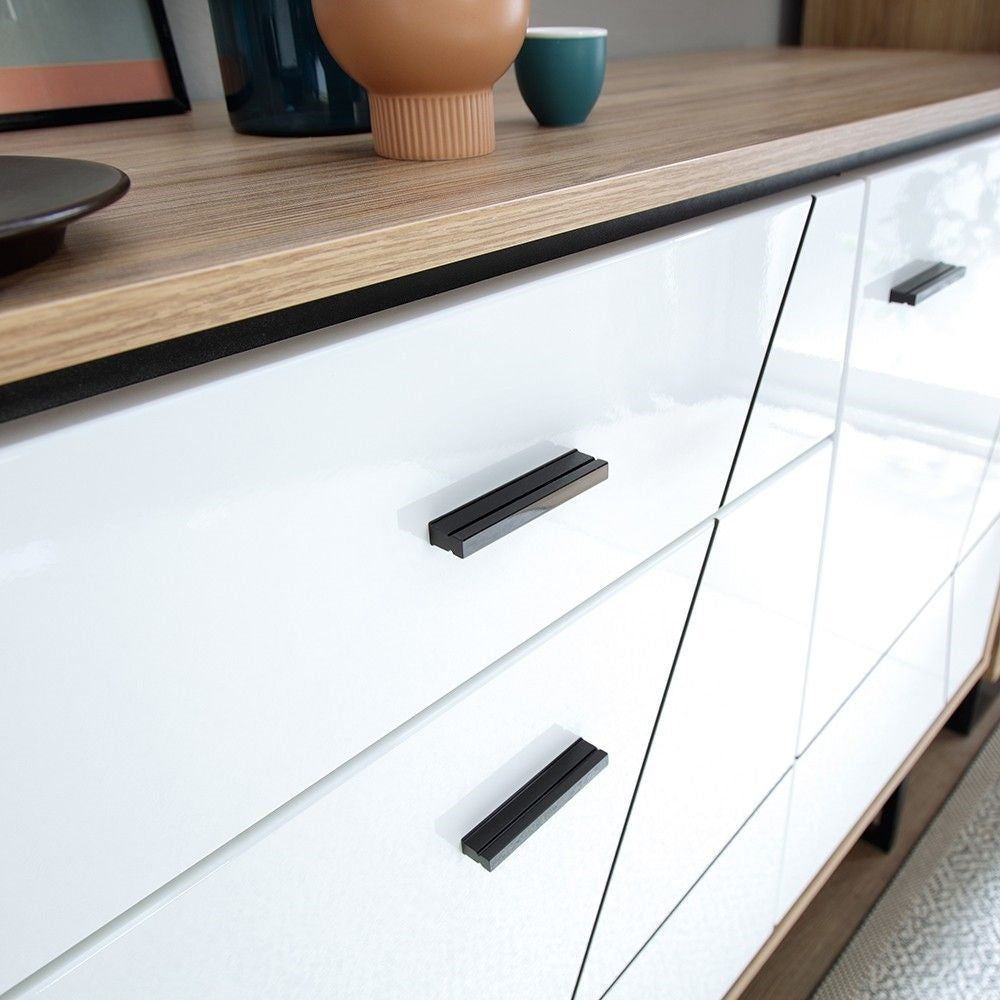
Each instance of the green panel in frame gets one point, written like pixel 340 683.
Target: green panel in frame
pixel 63 62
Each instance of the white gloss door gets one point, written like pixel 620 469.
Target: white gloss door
pixel 217 587
pixel 726 733
pixel 796 401
pixel 987 506
pixel 851 760
pixel 920 413
pixel 974 597
pixel 367 895
pixel 718 927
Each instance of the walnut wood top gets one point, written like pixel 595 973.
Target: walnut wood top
pixel 219 227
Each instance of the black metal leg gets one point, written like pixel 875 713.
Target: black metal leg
pixel 882 833
pixel 963 718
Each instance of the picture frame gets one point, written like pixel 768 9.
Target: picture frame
pixel 152 85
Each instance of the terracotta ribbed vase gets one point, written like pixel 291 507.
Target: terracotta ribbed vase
pixel 429 67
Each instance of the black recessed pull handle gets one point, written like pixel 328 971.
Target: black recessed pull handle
pixel 922 286
pixel 511 824
pixel 497 513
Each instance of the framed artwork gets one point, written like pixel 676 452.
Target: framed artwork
pixel 63 62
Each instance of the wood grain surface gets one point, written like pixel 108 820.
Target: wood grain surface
pixel 960 25
pixel 219 227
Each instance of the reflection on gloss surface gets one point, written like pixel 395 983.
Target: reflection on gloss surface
pixel 854 757
pixel 921 411
pixel 796 404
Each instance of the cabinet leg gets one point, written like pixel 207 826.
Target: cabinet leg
pixel 963 718
pixel 882 833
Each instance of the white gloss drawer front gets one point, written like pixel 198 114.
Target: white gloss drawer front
pixel 367 893
pixel 218 587
pixel 921 409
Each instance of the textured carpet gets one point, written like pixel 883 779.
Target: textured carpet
pixel 935 933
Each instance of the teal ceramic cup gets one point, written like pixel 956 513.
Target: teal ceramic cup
pixel 560 72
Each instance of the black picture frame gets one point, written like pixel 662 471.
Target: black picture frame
pixel 178 103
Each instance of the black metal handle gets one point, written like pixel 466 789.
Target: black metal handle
pixel 922 286
pixel 512 823
pixel 497 513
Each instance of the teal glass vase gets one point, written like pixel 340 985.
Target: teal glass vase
pixel 278 77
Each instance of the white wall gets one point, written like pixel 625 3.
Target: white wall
pixel 640 26
pixel 635 27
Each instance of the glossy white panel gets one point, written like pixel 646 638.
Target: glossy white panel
pixel 987 506
pixel 217 587
pixel 727 730
pixel 367 893
pixel 796 404
pixel 921 409
pixel 859 750
pixel 973 600
pixel 721 924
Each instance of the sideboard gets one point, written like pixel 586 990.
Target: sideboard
pixel 541 635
